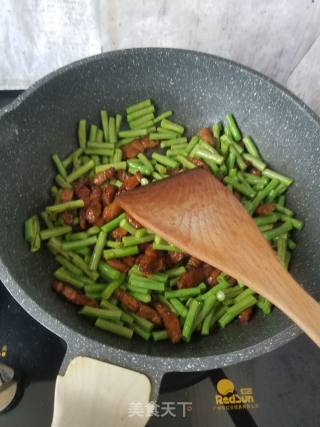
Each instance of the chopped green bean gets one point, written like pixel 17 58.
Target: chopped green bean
pixel 97 251
pixel 55 232
pixel 61 207
pixel 164 160
pixel 275 175
pixel 100 312
pixel 114 328
pixel 120 253
pixel 82 134
pixel 160 335
pixel 76 244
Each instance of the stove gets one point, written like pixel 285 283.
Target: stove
pixel 280 388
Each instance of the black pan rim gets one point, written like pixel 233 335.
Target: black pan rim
pixel 115 355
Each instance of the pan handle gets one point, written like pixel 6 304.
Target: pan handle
pixel 100 394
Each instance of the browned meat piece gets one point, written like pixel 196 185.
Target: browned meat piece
pixel 72 295
pixel 100 222
pixel 101 177
pixel 255 172
pixel 82 219
pixel 138 307
pixel 144 246
pixel 137 146
pixel 237 195
pixel 93 212
pixel 212 279
pixel 82 182
pixel 206 135
pixel 199 163
pixel 149 313
pixel 152 261
pixel 122 175
pixel 132 181
pixel 131 150
pixel 265 209
pixel 84 194
pixel 108 194
pixel 246 315
pixel 175 257
pixel 193 262
pixel 193 277
pixel 66 195
pixel 149 143
pixel 118 265
pixel 67 217
pixel 170 321
pixel 95 193
pixel 133 222
pixel 232 280
pixel 118 233
pixel 129 260
pixel 127 300
pixel 111 211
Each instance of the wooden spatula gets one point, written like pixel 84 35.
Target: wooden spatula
pixel 200 215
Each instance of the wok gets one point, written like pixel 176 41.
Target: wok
pixel 200 89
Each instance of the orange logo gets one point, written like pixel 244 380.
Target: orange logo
pixel 227 397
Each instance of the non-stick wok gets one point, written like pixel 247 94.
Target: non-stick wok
pixel 200 89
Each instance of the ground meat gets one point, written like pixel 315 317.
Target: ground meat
pixel 193 262
pixel 118 233
pixel 199 163
pixel 118 265
pixel 265 209
pixel 111 211
pixel 212 279
pixel 66 195
pixel 138 307
pixel 82 219
pixel 255 172
pixel 206 135
pixel 93 211
pixel 246 315
pixel 101 177
pixel 73 295
pixel 152 261
pixel 108 194
pixel 133 222
pixel 170 321
pixel 67 217
pixel 193 277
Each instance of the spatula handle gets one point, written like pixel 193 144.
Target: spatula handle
pixel 295 302
pixel 98 394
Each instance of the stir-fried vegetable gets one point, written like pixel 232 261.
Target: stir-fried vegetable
pixel 130 281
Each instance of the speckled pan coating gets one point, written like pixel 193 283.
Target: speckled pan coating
pixel 200 89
